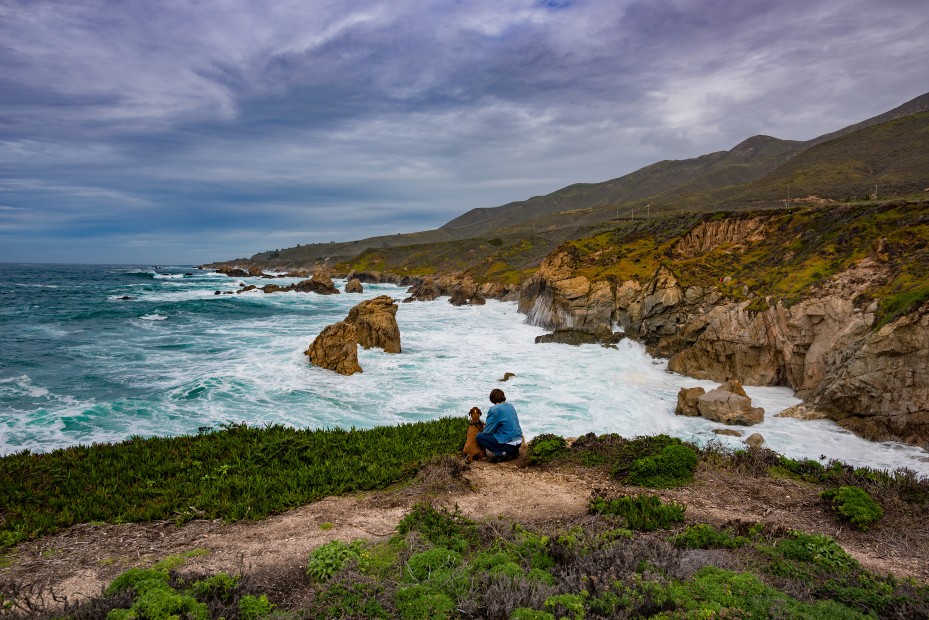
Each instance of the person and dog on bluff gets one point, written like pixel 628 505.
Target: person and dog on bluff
pixel 500 437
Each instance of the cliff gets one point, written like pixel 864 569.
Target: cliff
pixel 841 339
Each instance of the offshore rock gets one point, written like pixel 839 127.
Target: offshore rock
pixel 426 290
pixel 687 401
pixel 320 284
pixel 578 337
pixel 375 324
pixel 354 286
pixel 755 440
pixel 336 348
pixel 232 272
pixel 722 406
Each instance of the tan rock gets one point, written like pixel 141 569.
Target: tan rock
pixel 802 412
pixel 727 431
pixel 755 440
pixel 687 401
pixel 336 348
pixel 354 286
pixel 375 324
pixel 721 406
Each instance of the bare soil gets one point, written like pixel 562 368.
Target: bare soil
pixel 81 561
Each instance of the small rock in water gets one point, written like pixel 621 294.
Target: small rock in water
pixel 506 376
pixel 755 440
pixel 727 431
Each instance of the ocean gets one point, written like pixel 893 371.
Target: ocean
pixel 95 354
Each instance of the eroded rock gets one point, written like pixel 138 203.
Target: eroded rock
pixel 375 323
pixel 354 286
pixel 687 401
pixel 336 348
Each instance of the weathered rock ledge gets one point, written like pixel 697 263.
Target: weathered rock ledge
pixel 874 382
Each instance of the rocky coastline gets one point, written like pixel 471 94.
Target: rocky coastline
pixel 829 347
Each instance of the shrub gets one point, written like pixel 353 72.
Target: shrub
pixel 435 564
pixel 349 597
pixel 854 505
pixel 220 585
pixel 440 527
pixel 424 603
pixel 647 461
pixel 329 559
pixel 545 447
pixel 525 613
pixel 254 607
pixel 672 467
pixel 705 536
pixel 645 513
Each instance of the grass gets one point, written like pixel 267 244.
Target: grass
pixel 239 472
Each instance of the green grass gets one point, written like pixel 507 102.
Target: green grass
pixel 237 473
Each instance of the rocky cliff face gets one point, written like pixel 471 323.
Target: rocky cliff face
pixel 875 383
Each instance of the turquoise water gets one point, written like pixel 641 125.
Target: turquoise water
pixel 78 364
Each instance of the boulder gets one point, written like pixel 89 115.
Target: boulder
pixel 354 286
pixel 255 271
pixel 336 348
pixel 687 401
pixel 375 323
pixel 802 412
pixel 507 376
pixel 721 406
pixel 459 297
pixel 232 272
pixel 320 286
pixel 727 431
pixel 577 337
pixel 755 440
pixel 426 290
pixel 274 288
pixel 477 299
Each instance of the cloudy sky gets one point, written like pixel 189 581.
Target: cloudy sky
pixel 184 131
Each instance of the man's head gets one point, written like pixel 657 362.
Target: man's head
pixel 497 397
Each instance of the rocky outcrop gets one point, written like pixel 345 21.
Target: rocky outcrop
pixel 375 323
pixel 426 290
pixel 708 236
pixel 721 405
pixel 372 323
pixel 687 401
pixel 232 272
pixel 556 297
pixel 577 337
pixel 874 382
pixel 320 284
pixel 354 286
pixel 336 348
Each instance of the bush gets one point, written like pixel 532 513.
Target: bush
pixel 705 536
pixel 424 603
pixel 435 564
pixel 545 448
pixel 329 559
pixel 854 505
pixel 672 467
pixel 440 527
pixel 254 607
pixel 658 462
pixel 645 513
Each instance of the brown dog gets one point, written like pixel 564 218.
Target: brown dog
pixel 471 450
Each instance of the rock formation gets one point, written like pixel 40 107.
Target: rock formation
pixel 336 348
pixel 320 283
pixel 578 337
pixel 721 405
pixel 687 401
pixel 375 322
pixel 354 286
pixel 874 382
pixel 372 323
pixel 755 440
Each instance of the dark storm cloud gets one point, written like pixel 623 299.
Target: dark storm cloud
pixel 191 131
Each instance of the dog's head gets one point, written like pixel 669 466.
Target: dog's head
pixel 475 414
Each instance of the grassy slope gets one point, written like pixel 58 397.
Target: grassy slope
pixel 236 473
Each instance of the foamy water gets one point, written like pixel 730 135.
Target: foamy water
pixel 176 357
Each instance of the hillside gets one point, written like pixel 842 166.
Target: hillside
pixel 890 151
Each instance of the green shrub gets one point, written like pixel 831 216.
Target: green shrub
pixel 646 461
pixel 854 505
pixel 440 527
pixel 434 564
pixel 645 513
pixel 155 599
pixel 221 585
pixel 329 559
pixel 674 466
pixel 545 447
pixel 526 613
pixel 818 550
pixel 567 605
pixel 420 602
pixel 705 536
pixel 348 599
pixel 254 607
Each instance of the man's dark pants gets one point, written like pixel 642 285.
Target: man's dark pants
pixel 489 443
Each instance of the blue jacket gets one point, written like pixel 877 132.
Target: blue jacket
pixel 502 423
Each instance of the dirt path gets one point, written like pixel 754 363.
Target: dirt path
pixel 82 560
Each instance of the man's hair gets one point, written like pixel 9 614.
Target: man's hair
pixel 497 396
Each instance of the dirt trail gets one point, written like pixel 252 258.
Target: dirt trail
pixel 82 560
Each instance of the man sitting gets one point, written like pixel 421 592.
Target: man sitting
pixel 502 434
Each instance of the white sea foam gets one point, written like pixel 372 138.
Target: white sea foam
pixel 200 371
pixel 153 317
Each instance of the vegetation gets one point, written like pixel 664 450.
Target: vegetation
pixel 644 513
pixel 854 505
pixel 238 472
pixel 545 447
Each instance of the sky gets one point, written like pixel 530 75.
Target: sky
pixel 182 132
